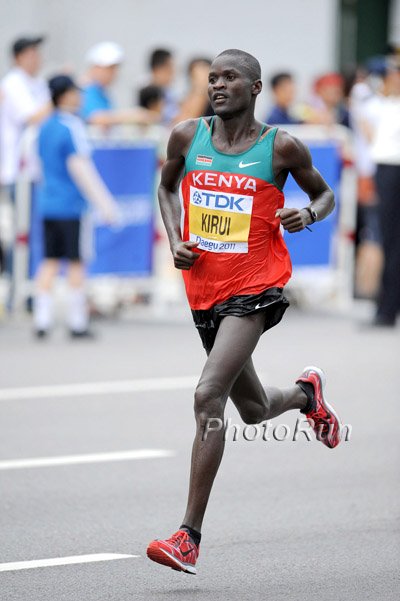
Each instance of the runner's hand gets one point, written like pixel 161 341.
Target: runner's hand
pixel 184 257
pixel 292 220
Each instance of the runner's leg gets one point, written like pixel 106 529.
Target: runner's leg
pixel 256 403
pixel 236 340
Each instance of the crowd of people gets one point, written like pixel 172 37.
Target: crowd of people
pixel 367 102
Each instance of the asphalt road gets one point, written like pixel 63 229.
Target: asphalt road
pixel 287 520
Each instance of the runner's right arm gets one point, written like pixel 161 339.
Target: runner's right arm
pixel 179 142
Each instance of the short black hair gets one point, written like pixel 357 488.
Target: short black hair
pixel 198 59
pixel 21 44
pixel 278 78
pixel 246 61
pixel 58 85
pixel 149 95
pixel 159 57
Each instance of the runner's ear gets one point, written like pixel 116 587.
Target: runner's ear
pixel 256 87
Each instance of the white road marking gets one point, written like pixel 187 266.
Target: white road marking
pixel 61 561
pixel 96 388
pixel 17 464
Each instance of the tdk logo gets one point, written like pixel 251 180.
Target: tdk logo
pixel 197 198
pixel 235 203
pixel 219 201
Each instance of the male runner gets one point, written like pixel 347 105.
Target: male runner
pixel 226 238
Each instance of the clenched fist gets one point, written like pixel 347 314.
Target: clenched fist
pixel 184 255
pixel 293 220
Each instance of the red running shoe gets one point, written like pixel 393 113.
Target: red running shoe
pixel 178 552
pixel 322 417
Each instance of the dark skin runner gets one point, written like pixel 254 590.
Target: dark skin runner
pixel 233 93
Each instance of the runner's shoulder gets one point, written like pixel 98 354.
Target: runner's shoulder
pixel 285 142
pixel 181 136
pixel 185 130
pixel 289 148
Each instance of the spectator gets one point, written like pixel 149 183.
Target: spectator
pixel 364 108
pixel 25 101
pixel 197 103
pixel 386 153
pixel 284 92
pixel 326 106
pixel 162 69
pixel 152 98
pixel 69 178
pixel 104 60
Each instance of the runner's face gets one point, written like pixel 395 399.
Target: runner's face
pixel 230 89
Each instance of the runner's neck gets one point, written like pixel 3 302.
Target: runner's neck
pixel 236 132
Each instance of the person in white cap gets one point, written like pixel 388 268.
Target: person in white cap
pixel 104 60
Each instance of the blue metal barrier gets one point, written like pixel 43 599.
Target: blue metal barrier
pixel 129 174
pixel 126 250
pixel 315 248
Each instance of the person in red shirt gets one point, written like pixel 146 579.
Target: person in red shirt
pixel 225 236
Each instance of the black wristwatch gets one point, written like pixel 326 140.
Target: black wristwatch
pixel 313 214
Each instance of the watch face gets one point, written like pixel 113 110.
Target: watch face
pixel 312 213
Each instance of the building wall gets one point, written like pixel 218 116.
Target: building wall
pixel 299 35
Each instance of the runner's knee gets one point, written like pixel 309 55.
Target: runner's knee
pixel 208 402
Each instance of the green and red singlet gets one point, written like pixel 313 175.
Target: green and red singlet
pixel 228 204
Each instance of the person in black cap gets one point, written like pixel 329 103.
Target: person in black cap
pixel 25 102
pixel 69 180
pixel 25 43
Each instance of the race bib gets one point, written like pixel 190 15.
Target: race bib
pixel 220 221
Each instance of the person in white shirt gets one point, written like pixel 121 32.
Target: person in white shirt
pixel 365 106
pixel 25 100
pixel 386 154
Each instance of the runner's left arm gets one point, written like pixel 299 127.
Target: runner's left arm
pixel 292 156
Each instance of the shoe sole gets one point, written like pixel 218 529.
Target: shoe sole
pixel 322 377
pixel 166 559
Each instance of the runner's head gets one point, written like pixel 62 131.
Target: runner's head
pixel 234 83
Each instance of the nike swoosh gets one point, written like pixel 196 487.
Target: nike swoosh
pixel 260 306
pixel 243 165
pixel 184 553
